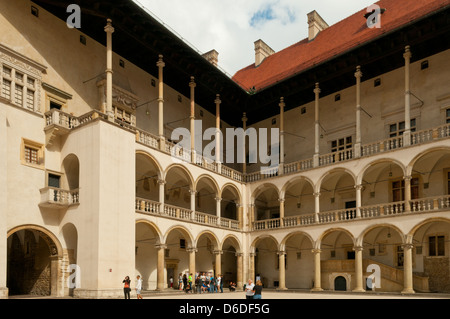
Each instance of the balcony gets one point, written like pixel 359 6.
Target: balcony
pixel 57 198
pixel 423 205
pixel 148 207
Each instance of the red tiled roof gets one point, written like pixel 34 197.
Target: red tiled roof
pixel 332 41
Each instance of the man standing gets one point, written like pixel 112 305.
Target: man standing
pixel 249 289
pixel 139 287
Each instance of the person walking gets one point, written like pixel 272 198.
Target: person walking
pixel 180 281
pixel 219 283
pixel 139 287
pixel 249 289
pixel 257 290
pixel 126 287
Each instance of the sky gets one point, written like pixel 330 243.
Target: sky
pixel 232 26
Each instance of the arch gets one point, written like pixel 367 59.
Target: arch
pixel 424 153
pixel 263 187
pixel 55 246
pixel 234 240
pixel 333 171
pixel 183 230
pixel 153 226
pixel 232 186
pixel 292 234
pixel 210 235
pixel 71 168
pixel 260 238
pixel 292 182
pixel 213 184
pixel 185 171
pixel 332 230
pixel 359 240
pixel 413 230
pixel 378 161
pixel 154 160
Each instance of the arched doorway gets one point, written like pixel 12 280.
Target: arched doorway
pixel 340 284
pixel 33 261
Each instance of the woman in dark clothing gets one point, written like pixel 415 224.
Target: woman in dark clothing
pixel 126 287
pixel 258 289
pixel 185 282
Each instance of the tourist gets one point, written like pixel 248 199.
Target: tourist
pixel 232 286
pixel 126 287
pixel 257 290
pixel 249 289
pixel 180 281
pixel 139 287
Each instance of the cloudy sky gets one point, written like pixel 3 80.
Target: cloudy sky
pixel 232 26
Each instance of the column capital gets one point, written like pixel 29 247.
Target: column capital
pixel 217 100
pixel 160 63
pixel 161 246
pixel 358 248
pixel 244 117
pixel 218 252
pixel 316 194
pixel 359 187
pixel 282 104
pixel 358 73
pixel 407 54
pixel 317 89
pixel 316 251
pixel 407 246
pixel 192 83
pixel 161 182
pixel 407 178
pixel 192 250
pixel 218 199
pixel 109 28
pixel 281 200
pixel 281 252
pixel 192 191
pixel 251 254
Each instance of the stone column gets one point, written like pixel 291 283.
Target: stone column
pixel 407 133
pixel 408 270
pixel 358 200
pixel 316 127
pixel 218 255
pixel 192 85
pixel 109 70
pixel 251 216
pixel 244 152
pixel 407 193
pixel 316 206
pixel 218 207
pixel 317 274
pixel 3 203
pixel 162 194
pixel 251 267
pixel 282 270
pixel 358 76
pixel 281 166
pixel 160 267
pixel 193 193
pixel 240 271
pixel 218 139
pixel 281 200
pixel 358 269
pixel 162 141
pixel 192 252
pixel 240 216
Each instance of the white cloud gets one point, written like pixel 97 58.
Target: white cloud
pixel 232 26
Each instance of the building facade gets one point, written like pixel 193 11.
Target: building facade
pixel 94 187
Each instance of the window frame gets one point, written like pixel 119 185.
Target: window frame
pixel 38 147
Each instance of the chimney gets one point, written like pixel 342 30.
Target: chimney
pixel 212 56
pixel 262 51
pixel 316 24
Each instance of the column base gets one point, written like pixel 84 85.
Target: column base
pixel 358 290
pixel 316 289
pixel 4 292
pixel 281 289
pixel 408 291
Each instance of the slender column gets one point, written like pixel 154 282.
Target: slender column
pixel 218 139
pixel 316 127
pixel 109 69
pixel 281 166
pixel 240 272
pixel 244 151
pixel 192 85
pixel 251 267
pixel 316 206
pixel 407 193
pixel 162 196
pixel 358 76
pixel 251 216
pixel 193 193
pixel 160 267
pixel 192 252
pixel 358 269
pixel 218 255
pixel 408 270
pixel 407 133
pixel 162 141
pixel 218 207
pixel 281 200
pixel 240 216
pixel 282 270
pixel 358 200
pixel 317 275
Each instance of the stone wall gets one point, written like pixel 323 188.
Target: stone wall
pixel 438 271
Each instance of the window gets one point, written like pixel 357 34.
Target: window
pixel 182 243
pixel 82 39
pixel 377 82
pixel 337 97
pixel 397 129
pixel 54 180
pixel 32 154
pixel 400 256
pixel 398 190
pixel 436 246
pixel 424 65
pixel 18 88
pixel 35 11
pixel 447 116
pixel 448 182
pixel 341 144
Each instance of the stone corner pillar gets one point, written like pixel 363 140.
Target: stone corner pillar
pixel 408 270
pixel 317 271
pixel 358 269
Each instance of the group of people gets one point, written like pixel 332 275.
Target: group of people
pixel 202 283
